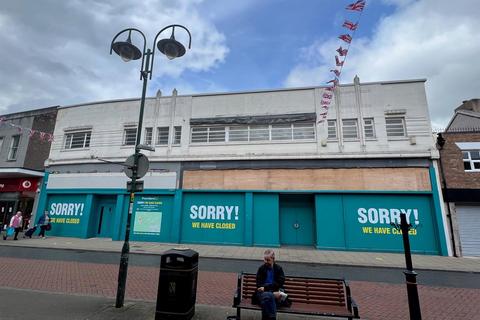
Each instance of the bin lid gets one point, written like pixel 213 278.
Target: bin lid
pixel 182 252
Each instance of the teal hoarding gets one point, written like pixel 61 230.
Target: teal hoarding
pixel 152 217
pixel 369 218
pixel 213 218
pixel 69 215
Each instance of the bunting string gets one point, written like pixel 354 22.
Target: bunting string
pixel 43 136
pixel 340 59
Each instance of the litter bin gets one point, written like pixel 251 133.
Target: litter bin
pixel 177 285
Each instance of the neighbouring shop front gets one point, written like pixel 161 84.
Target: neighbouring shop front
pixel 17 194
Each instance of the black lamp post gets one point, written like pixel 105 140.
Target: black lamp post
pixel 128 51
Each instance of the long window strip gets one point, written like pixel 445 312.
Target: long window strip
pixel 281 132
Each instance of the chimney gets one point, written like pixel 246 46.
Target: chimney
pixel 472 105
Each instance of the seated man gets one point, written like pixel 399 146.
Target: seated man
pixel 270 280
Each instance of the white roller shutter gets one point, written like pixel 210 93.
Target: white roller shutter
pixel 468 218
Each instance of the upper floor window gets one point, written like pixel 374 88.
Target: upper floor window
pixel 303 131
pixel 177 134
pixel 238 133
pixel 130 136
pixel 245 133
pixel 395 127
pixel 471 160
pixel 162 135
pixel 12 154
pixel 78 139
pixel 1 143
pixel 350 128
pixel 369 128
pixel 332 129
pixel 259 133
pixel 148 138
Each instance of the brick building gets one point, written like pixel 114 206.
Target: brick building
pixel 460 160
pixel 24 147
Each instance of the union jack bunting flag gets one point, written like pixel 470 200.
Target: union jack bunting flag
pixel 50 137
pixel 325 102
pixel 323 113
pixel 327 96
pixel 346 37
pixel 338 62
pixel 42 135
pixel 357 6
pixel 342 52
pixel 350 25
pixel 337 72
pixel 31 133
pixel 329 89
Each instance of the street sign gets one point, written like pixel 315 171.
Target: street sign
pixel 138 186
pixel 142 168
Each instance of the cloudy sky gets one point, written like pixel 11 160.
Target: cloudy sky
pixel 56 52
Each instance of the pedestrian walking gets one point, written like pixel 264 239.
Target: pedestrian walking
pixel 16 224
pixel 44 223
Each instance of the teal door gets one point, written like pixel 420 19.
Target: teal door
pixel 106 211
pixel 297 223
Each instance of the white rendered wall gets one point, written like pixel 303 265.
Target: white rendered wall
pixel 108 119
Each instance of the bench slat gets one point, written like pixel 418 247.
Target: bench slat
pixel 309 296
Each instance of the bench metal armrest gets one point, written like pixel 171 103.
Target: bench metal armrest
pixel 237 297
pixel 354 308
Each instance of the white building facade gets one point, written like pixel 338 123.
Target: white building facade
pixel 254 169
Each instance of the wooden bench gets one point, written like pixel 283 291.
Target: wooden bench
pixel 309 296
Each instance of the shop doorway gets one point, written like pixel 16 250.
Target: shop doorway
pixel 105 213
pixel 6 211
pixel 297 223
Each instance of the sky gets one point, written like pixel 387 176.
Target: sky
pixel 56 52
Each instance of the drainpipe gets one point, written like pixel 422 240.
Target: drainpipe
pixel 440 144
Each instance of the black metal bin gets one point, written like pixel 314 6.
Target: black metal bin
pixel 177 285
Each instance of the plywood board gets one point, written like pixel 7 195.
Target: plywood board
pixel 388 179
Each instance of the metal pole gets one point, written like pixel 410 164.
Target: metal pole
pixel 410 275
pixel 122 272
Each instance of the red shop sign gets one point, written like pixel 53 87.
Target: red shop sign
pixel 18 184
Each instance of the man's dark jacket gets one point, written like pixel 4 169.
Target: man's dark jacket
pixel 278 280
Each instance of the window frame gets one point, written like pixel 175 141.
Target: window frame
pixel 148 136
pixel 470 160
pixel 163 135
pixel 357 136
pixel 177 135
pixel 331 138
pixel 13 150
pixel 69 138
pixel 125 135
pixel 372 126
pixel 404 128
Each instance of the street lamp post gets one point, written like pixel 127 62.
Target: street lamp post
pixel 127 51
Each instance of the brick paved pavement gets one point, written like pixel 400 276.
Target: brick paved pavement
pixel 376 300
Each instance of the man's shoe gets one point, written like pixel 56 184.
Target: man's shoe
pixel 15 239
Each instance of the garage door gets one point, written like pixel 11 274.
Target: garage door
pixel 469 228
